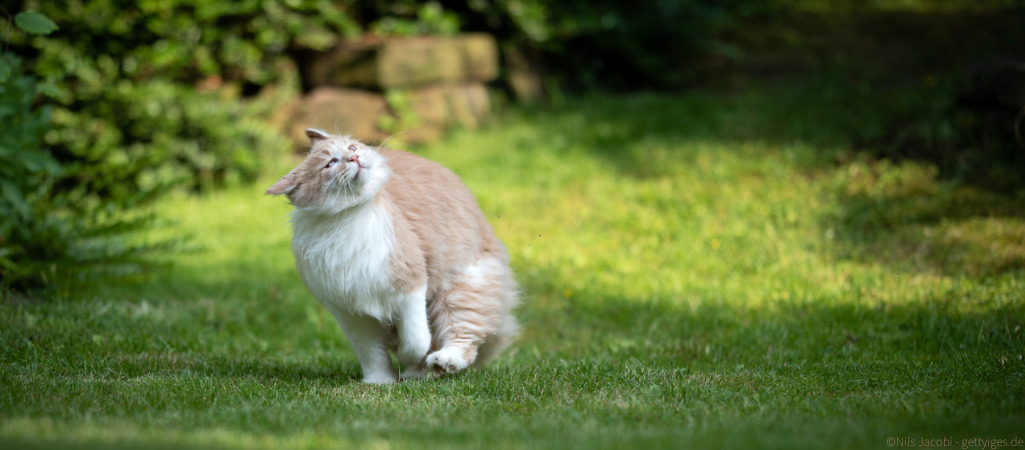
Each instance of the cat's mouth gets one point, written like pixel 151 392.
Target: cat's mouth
pixel 354 174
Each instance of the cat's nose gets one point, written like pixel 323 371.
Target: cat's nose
pixel 354 158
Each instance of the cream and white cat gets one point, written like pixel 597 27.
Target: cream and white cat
pixel 397 249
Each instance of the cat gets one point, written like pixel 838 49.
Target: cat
pixel 397 249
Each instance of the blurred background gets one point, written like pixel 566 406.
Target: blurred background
pixel 107 105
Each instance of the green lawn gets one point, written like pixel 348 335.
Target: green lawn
pixel 699 270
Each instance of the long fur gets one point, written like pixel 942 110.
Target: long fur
pixel 397 249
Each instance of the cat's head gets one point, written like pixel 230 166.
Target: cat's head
pixel 339 172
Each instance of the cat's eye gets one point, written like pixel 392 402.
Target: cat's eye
pixel 332 162
pixel 352 148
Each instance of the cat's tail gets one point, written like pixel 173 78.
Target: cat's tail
pixel 498 341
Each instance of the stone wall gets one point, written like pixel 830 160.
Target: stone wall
pixel 414 88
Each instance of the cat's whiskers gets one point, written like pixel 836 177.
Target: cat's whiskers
pixel 348 181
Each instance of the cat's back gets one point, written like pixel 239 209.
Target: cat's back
pixel 423 186
pixel 416 173
pixel 437 205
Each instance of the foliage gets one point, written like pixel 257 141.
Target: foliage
pixel 610 44
pixel 908 84
pixel 26 169
pixel 430 19
pixel 46 235
pixel 150 99
pixel 906 5
pixel 34 23
pixel 614 44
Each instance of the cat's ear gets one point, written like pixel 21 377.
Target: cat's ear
pixel 284 186
pixel 316 135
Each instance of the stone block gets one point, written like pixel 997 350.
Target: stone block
pixel 479 56
pixel 341 111
pixel 465 105
pixel 405 62
pixel 429 111
pixel 469 105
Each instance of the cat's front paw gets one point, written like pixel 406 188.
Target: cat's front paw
pixel 447 360
pixel 411 351
pixel 380 378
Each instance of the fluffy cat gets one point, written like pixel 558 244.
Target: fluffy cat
pixel 397 249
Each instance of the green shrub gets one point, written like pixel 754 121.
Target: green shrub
pixel 429 19
pixel 46 235
pixel 26 169
pixel 151 90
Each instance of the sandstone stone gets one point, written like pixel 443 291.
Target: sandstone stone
pixel 404 62
pixel 417 62
pixel 465 105
pixel 341 111
pixel 414 88
pixel 362 113
pixel 480 57
pixel 469 105
pixel 429 104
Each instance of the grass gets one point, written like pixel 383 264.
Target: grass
pixel 686 284
pixel 714 268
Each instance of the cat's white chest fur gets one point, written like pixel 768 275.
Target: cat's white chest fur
pixel 344 258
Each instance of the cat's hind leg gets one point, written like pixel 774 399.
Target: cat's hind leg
pixel 475 310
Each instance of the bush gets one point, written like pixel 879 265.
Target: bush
pixel 26 169
pixel 151 89
pixel 46 236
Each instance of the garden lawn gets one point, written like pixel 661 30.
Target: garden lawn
pixel 698 270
